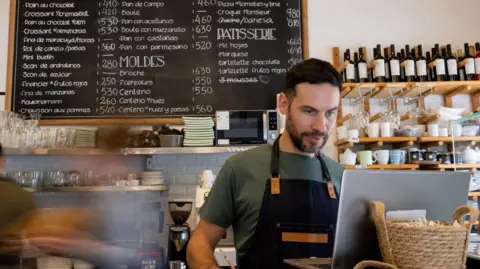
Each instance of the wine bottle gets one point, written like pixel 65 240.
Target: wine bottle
pixel 379 69
pixel 355 60
pixel 361 68
pixel 394 65
pixel 477 61
pixel 469 65
pixel 421 65
pixel 349 72
pixel 387 67
pixel 402 70
pixel 439 73
pixel 371 74
pixel 452 66
pixel 429 70
pixel 408 65
pixel 461 69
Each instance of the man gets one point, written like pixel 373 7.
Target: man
pixel 281 200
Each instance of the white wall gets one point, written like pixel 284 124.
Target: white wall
pixel 356 23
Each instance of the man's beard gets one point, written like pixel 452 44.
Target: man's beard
pixel 297 138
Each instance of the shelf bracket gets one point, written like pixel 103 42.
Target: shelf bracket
pixel 374 145
pixel 432 145
pixel 403 145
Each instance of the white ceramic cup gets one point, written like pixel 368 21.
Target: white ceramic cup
pixel 133 182
pixel 442 131
pixel 385 129
pixel 353 134
pixel 349 159
pixel 342 132
pixel 382 156
pixel 457 129
pixel 132 177
pixel 121 183
pixel 433 130
pixel 366 157
pixel 373 129
pixel 207 179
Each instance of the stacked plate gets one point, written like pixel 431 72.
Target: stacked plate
pixel 84 138
pixel 50 262
pixel 198 131
pixel 149 178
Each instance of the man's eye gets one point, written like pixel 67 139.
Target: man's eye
pixel 309 112
pixel 331 113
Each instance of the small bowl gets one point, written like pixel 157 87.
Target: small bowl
pixel 170 140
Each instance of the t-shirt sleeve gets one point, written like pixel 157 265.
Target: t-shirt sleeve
pixel 15 203
pixel 219 207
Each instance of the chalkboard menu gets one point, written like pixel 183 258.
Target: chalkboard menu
pixel 151 58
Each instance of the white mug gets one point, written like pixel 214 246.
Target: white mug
pixel 382 156
pixel 349 159
pixel 353 134
pixel 373 130
pixel 132 177
pixel 342 132
pixel 433 130
pixel 207 179
pixel 385 129
pixel 457 129
pixel 443 132
pixel 366 157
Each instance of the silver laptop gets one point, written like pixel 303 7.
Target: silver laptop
pixel 440 193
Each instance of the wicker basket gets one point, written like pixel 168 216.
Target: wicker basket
pixel 411 247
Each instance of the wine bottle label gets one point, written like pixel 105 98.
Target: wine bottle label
pixel 395 67
pixel 362 70
pixel 477 65
pixel 380 68
pixel 421 67
pixel 440 67
pixel 350 71
pixel 410 68
pixel 470 66
pixel 452 67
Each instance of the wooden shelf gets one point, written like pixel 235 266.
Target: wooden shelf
pixel 448 139
pixel 384 140
pixel 408 89
pixel 451 166
pixel 385 166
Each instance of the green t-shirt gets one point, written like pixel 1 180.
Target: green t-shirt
pixel 237 194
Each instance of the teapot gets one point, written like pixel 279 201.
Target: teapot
pixel 349 157
pixel 469 156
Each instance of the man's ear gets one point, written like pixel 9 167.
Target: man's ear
pixel 283 103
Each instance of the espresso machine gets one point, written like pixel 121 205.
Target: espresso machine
pixel 179 234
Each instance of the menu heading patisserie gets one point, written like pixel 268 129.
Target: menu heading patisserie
pixel 151 58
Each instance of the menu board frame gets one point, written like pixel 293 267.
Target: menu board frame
pixel 109 121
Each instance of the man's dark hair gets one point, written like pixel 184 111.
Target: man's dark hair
pixel 313 71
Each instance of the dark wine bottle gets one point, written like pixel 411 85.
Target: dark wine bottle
pixel 469 65
pixel 477 61
pixel 452 66
pixel 409 65
pixel 349 72
pixel 402 70
pixel 421 65
pixel 379 69
pixel 361 68
pixel 355 60
pixel 461 69
pixel 394 65
pixel 439 73
pixel 371 74
pixel 387 67
pixel 429 70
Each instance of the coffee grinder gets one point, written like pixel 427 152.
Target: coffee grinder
pixel 179 234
